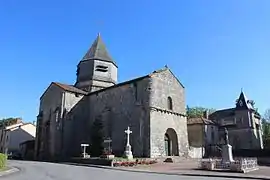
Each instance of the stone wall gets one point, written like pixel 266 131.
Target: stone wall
pixel 89 77
pixel 117 107
pixel 76 128
pixel 244 126
pixel 164 85
pixel 196 152
pixel 196 135
pixel 54 102
pixel 127 104
pixel 50 101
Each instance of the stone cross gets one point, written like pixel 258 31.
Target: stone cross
pixel 128 132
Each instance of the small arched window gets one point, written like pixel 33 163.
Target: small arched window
pixel 170 104
pixel 57 114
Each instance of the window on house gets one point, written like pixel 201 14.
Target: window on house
pixel 101 68
pixel 56 114
pixel 257 126
pixel 170 104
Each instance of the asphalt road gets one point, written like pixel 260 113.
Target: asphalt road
pixel 50 171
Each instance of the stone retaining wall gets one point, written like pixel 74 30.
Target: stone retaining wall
pixel 239 165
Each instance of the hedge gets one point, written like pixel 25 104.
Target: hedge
pixel 3 160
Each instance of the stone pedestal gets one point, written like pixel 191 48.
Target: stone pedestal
pixel 227 156
pixel 128 152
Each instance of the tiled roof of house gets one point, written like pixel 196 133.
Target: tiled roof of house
pixel 199 120
pixel 70 88
pixel 219 114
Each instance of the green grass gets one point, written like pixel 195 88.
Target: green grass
pixel 3 160
pixel 3 169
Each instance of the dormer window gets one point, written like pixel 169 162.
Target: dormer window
pixel 101 68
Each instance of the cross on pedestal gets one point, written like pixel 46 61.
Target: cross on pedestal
pixel 128 132
pixel 128 152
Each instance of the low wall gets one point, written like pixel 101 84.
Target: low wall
pixel 196 152
pixel 239 165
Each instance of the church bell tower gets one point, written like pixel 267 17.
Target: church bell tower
pixel 96 70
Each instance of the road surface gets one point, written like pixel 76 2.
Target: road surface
pixel 50 171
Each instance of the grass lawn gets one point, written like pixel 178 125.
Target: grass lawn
pixel 3 169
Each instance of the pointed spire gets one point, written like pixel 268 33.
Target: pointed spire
pixel 98 50
pixel 242 101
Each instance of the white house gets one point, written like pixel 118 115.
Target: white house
pixel 12 136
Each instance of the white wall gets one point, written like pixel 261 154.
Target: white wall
pixel 18 135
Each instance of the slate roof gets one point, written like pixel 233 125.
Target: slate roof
pixel 225 113
pixel 70 88
pixel 98 51
pixel 130 81
pixel 245 101
pixel 199 120
pixel 219 114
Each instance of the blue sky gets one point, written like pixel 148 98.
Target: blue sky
pixel 215 48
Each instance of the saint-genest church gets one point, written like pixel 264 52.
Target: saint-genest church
pixel 153 106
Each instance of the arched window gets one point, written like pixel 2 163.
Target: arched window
pixel 170 104
pixel 57 110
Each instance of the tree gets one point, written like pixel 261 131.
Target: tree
pixel 8 121
pixel 97 138
pixel 266 129
pixel 193 112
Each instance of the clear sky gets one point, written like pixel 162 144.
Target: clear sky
pixel 215 48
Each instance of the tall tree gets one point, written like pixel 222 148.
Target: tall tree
pixel 193 112
pixel 97 138
pixel 266 129
pixel 8 121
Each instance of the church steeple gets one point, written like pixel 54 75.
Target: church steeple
pixel 243 103
pixel 96 70
pixel 98 51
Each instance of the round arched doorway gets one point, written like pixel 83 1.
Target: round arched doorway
pixel 171 143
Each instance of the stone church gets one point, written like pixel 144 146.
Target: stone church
pixel 153 106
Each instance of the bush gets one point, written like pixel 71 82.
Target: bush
pixel 3 160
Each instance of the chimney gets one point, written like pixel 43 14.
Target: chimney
pixel 206 114
pixel 18 120
pixel 34 123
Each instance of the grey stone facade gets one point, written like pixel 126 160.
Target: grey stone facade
pixel 133 103
pixel 153 106
pixel 241 121
pixel 54 103
pixel 165 85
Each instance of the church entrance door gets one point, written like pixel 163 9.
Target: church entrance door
pixel 167 145
pixel 171 143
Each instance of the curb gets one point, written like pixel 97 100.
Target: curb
pixel 174 173
pixel 9 171
pixel 226 176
